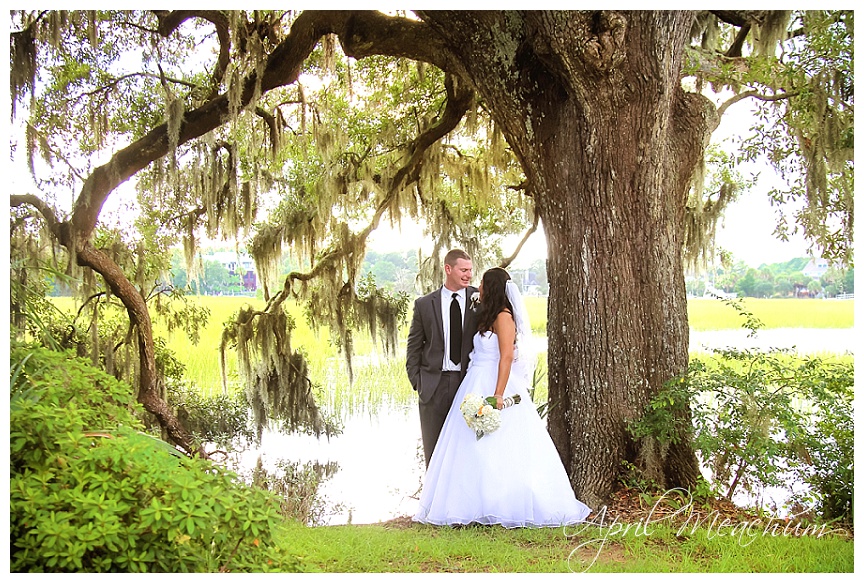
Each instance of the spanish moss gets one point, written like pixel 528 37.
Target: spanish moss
pixel 276 378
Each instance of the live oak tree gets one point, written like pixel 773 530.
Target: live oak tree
pixel 593 123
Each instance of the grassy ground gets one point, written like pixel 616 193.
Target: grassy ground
pixel 705 314
pixel 425 549
pixel 726 541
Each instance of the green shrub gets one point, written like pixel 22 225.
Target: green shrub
pixel 831 450
pixel 763 418
pixel 89 492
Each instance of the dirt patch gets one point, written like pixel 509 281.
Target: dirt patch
pixel 398 523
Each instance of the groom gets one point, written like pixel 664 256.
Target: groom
pixel 439 341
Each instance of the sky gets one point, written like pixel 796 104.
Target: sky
pixel 746 230
pixel 748 224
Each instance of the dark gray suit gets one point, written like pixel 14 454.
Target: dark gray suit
pixel 425 357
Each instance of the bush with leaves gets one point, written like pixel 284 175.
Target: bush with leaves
pixel 764 418
pixel 831 447
pixel 90 492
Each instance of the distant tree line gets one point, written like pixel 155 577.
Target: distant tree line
pixel 396 270
pixel 776 280
pixel 214 279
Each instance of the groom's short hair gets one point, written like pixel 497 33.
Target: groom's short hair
pixel 453 255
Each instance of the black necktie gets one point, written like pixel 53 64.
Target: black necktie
pixel 455 330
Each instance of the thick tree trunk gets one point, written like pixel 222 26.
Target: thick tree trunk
pixel 592 105
pixel 617 307
pixel 149 394
pixel 613 207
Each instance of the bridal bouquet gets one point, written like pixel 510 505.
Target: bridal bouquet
pixel 481 415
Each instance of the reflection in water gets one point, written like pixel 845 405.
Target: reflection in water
pixel 297 486
pixel 380 462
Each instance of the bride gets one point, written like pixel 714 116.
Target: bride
pixel 512 476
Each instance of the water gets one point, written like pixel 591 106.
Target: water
pixel 802 340
pixel 380 454
pixel 380 459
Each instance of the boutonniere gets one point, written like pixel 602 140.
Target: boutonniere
pixel 475 299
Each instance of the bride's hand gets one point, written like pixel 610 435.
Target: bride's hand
pixel 499 402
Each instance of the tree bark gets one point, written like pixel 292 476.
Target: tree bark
pixel 149 383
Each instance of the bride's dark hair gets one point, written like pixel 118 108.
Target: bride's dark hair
pixel 494 298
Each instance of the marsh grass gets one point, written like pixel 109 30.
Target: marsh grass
pixel 537 314
pixel 379 379
pixel 710 314
pixel 490 549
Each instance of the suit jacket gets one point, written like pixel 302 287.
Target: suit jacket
pixel 425 353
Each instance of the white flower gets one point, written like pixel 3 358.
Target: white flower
pixel 475 299
pixel 480 415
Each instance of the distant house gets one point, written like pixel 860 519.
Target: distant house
pixel 241 265
pixel 713 292
pixel 816 268
pixel 528 283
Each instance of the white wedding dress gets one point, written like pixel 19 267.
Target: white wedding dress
pixel 513 476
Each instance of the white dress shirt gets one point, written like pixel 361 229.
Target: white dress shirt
pixel 446 298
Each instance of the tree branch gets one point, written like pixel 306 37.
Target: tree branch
pixel 755 95
pixel 368 33
pixel 46 146
pixel 136 307
pixel 459 99
pixel 86 302
pixel 506 262
pixel 270 120
pixel 155 144
pixel 171 21
pixel 88 256
pixel 740 17
pixel 54 226
pixel 362 34
pixel 117 80
pixel 738 44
